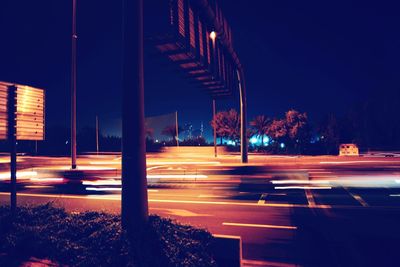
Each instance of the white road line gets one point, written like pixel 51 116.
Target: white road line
pixel 262 199
pixel 153 168
pixel 270 226
pixel 210 196
pixel 310 198
pixel 358 198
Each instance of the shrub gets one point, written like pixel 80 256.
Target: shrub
pixel 97 239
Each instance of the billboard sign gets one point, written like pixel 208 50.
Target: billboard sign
pixel 28 104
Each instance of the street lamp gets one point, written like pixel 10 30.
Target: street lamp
pixel 73 88
pixel 213 36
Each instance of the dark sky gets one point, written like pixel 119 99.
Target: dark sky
pixel 315 56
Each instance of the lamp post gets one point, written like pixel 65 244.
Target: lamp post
pixel 74 38
pixel 97 135
pixel 214 131
pixel 213 37
pixel 243 100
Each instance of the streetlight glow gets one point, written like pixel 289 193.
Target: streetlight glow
pixel 213 35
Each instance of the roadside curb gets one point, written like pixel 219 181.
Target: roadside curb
pixel 227 250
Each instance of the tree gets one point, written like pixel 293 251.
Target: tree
pixel 329 132
pixel 277 129
pixel 260 125
pixel 298 129
pixel 227 125
pixel 295 122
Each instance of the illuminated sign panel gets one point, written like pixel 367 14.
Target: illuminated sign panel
pixel 3 111
pixel 29 111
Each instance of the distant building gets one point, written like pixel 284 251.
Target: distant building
pixel 348 150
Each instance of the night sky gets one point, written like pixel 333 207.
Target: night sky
pixel 315 56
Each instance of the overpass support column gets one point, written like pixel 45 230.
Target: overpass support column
pixel 134 202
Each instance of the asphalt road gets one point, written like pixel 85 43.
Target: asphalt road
pixel 289 211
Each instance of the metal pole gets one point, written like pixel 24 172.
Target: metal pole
pixel 176 128
pixel 215 131
pixel 243 116
pixel 134 201
pixel 11 106
pixel 97 135
pixel 73 87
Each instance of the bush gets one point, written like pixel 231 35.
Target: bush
pixel 97 239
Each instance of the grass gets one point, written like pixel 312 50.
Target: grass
pixel 97 239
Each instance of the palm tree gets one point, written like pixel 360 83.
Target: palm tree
pixel 227 125
pixel 260 126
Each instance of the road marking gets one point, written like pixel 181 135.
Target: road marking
pixel 266 263
pixel 153 168
pixel 262 199
pixel 270 226
pixel 210 196
pixel 118 198
pixel 180 212
pixel 358 198
pixel 310 198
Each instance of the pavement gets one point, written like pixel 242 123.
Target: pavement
pixel 289 211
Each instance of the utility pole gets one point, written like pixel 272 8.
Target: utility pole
pixel 214 131
pixel 176 128
pixel 134 201
pixel 73 87
pixel 97 134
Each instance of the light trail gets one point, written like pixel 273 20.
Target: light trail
pixel 270 226
pixel 357 161
pixel 300 182
pixel 99 183
pixel 20 174
pixel 176 176
pixel 103 189
pixel 46 179
pixel 303 187
pixel 184 163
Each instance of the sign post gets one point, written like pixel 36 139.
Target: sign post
pixel 21 118
pixel 13 146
